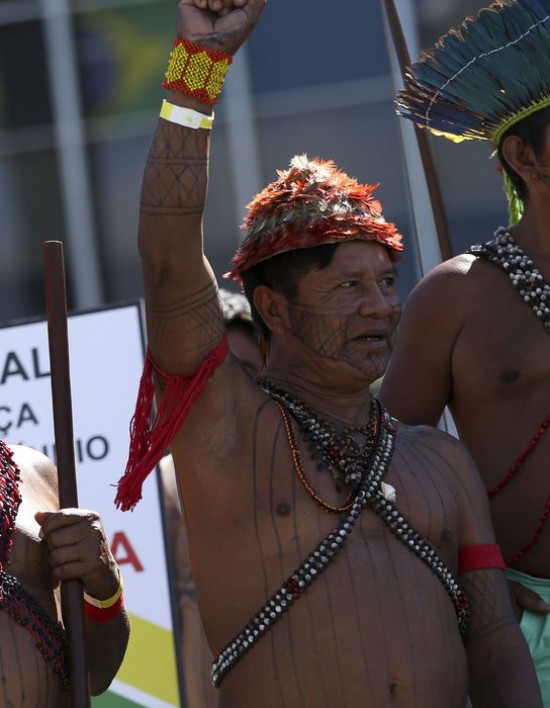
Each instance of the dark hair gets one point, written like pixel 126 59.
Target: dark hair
pixel 531 131
pixel 282 273
pixel 247 327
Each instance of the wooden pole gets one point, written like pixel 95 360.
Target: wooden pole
pixel 71 590
pixel 426 156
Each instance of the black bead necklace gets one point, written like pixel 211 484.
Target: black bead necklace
pixel 341 453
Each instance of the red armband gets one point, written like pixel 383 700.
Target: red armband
pixel 479 557
pixel 149 440
pixel 103 614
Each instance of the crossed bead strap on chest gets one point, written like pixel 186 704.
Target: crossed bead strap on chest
pixel 310 569
pixel 369 494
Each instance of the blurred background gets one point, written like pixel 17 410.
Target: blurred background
pixel 80 93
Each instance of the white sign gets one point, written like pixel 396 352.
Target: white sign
pixel 106 359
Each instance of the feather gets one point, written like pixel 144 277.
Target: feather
pixel 485 73
pixel 310 204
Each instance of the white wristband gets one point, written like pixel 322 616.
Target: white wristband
pixel 186 117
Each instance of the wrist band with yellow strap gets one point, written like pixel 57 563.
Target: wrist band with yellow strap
pixel 196 70
pixel 105 610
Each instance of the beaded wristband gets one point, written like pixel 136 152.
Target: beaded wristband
pixel 196 70
pixel 185 116
pixel 103 614
pixel 110 601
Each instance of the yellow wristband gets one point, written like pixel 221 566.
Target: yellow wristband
pixel 186 117
pixel 110 601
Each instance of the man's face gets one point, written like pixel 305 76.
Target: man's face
pixel 348 311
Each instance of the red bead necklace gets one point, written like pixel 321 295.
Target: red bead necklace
pixel 531 445
pixel 512 472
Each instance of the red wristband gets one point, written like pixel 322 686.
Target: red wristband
pixel 103 614
pixel 479 557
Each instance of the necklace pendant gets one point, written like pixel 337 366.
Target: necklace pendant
pixel 388 492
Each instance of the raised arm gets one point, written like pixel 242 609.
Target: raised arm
pixel 183 316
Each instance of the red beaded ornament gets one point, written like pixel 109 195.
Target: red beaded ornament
pixel 196 70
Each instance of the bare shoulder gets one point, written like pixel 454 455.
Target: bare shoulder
pixel 28 555
pixel 429 443
pixel 465 271
pixel 444 296
pixel 38 474
pixel 458 265
pixel 447 277
pixel 425 436
pixel 31 461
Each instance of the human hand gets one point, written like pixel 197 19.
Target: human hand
pixel 78 550
pixel 525 599
pixel 222 25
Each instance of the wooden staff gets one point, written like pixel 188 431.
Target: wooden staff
pixel 71 590
pixel 403 58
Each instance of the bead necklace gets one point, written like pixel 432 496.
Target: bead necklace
pixel 14 599
pixel 369 494
pixel 10 499
pixel 48 634
pixel 534 538
pixel 302 475
pixel 504 252
pixel 510 475
pixel 339 452
pixel 514 469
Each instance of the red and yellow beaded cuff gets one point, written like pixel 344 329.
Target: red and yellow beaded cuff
pixel 196 70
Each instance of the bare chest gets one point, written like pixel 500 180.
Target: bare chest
pixel 26 678
pixel 292 513
pixel 33 681
pixel 503 349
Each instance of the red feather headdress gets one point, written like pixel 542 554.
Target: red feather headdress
pixel 311 204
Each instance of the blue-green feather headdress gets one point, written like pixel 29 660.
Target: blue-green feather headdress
pixel 484 77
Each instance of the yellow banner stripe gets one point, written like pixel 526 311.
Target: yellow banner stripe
pixel 150 663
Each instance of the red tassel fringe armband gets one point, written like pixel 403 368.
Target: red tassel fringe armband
pixel 148 442
pixel 479 557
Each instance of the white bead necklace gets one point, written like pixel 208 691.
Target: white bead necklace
pixel 504 252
